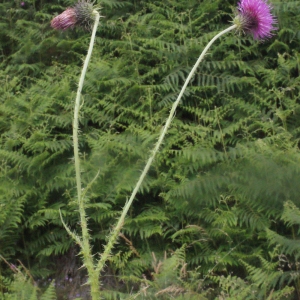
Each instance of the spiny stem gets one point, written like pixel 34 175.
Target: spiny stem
pixel 85 246
pixel 72 234
pixel 77 106
pixel 120 223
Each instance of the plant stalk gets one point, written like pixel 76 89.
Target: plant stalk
pixel 120 223
pixel 86 248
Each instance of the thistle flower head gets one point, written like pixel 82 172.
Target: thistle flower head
pixel 255 17
pixel 82 14
pixel 65 20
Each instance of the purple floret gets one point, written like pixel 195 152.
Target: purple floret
pixel 82 14
pixel 255 17
pixel 65 20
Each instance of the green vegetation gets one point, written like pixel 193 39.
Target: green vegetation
pixel 218 214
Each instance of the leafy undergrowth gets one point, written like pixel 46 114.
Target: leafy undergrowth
pixel 218 213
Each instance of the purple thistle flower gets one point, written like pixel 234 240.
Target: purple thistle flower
pixel 255 17
pixel 65 20
pixel 81 14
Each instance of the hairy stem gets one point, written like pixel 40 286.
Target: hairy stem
pixel 85 245
pixel 120 223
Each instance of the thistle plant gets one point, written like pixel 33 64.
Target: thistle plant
pixel 82 14
pixel 252 17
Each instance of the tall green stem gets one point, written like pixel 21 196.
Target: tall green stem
pixel 120 223
pixel 86 248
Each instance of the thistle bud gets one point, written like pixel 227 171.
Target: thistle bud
pixel 81 14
